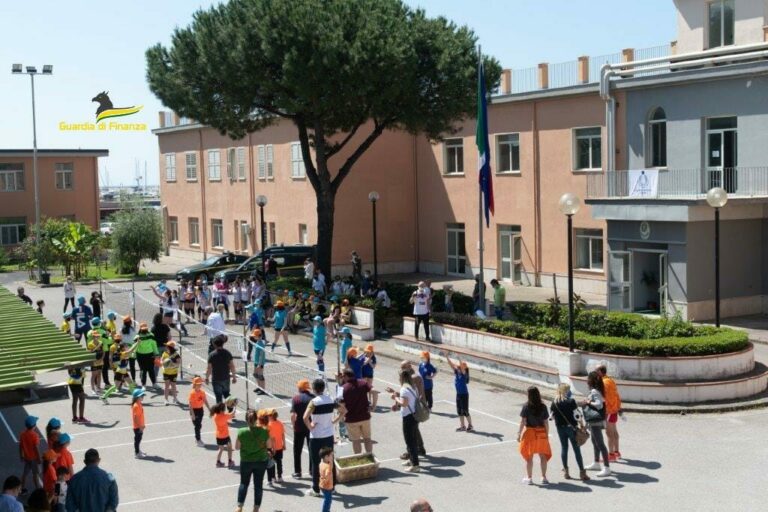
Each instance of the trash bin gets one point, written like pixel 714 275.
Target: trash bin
pixel 45 278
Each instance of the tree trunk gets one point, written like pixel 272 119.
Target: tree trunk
pixel 325 210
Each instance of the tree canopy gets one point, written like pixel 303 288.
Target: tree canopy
pixel 333 67
pixel 136 235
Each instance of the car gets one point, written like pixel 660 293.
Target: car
pixel 206 269
pixel 106 228
pixel 290 262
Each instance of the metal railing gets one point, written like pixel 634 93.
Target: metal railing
pixel 653 52
pixel 563 74
pixel 680 183
pixel 597 62
pixel 525 80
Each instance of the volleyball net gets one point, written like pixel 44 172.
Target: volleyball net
pixel 281 372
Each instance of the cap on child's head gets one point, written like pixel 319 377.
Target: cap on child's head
pixel 369 348
pixel 256 333
pixel 425 354
pixel 197 381
pixel 318 318
pixel 352 352
pixel 95 321
pixel 30 421
pixel 303 385
pixel 346 330
pixel 80 300
pixel 111 315
pixel 65 438
pixel 54 422
pixel 127 319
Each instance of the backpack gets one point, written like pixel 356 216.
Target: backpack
pixel 421 410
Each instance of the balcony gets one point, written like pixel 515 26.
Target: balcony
pixel 680 184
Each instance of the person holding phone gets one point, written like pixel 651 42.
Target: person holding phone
pixel 420 301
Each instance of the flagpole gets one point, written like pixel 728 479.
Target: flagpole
pixel 481 288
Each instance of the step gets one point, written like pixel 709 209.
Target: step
pixel 527 373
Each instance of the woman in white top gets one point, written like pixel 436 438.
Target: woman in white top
pixel 69 293
pixel 594 414
pixel 405 400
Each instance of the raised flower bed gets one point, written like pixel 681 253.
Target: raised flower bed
pixel 356 467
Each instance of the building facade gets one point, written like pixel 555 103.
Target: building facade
pixel 68 187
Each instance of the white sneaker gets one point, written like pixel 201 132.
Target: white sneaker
pixel 413 469
pixel 595 466
pixel 407 463
pixel 167 403
pixel 311 492
pixel 527 481
pixel 606 471
pixel 140 455
pixel 200 443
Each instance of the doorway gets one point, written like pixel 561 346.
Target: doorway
pixel 722 149
pixel 511 255
pixel 638 281
pixel 456 253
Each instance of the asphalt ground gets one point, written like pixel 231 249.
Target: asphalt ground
pixel 693 462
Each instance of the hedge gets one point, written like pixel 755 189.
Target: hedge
pixel 681 338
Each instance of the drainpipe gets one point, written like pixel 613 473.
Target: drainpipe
pixel 201 176
pixel 610 113
pixel 252 190
pixel 536 200
pixel 416 192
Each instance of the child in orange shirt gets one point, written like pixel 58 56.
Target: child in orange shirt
pixel 221 419
pixel 197 400
pixel 64 457
pixel 137 417
pixel 326 477
pixel 49 473
pixel 277 435
pixel 29 451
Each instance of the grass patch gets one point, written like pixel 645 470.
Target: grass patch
pixel 92 274
pixel 359 460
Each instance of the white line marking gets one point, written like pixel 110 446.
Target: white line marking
pixel 169 496
pixel 7 426
pixel 483 445
pixel 484 413
pixel 143 442
pixel 112 429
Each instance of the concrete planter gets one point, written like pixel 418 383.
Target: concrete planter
pixel 354 473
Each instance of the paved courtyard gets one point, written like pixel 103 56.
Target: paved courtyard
pixel 693 462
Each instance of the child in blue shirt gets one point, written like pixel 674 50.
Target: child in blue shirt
pixel 427 372
pixel 460 381
pixel 346 342
pixel 318 341
pixel 259 358
pixel 354 363
pixel 280 323
pixel 256 321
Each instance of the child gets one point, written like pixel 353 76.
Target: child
pixel 346 312
pixel 346 342
pixel 49 473
pixel 52 431
pixel 461 379
pixel 279 322
pixel 448 289
pixel 76 381
pixel 197 400
pixel 339 417
pixel 221 419
pixel 110 324
pixel 120 356
pixel 277 434
pixel 326 477
pixel 29 451
pixel 60 490
pixel 256 320
pixel 65 327
pixel 369 364
pixel 171 361
pixel 354 363
pixel 64 458
pixel 259 359
pixel 94 346
pixel 137 418
pixel 427 372
pixel 319 341
pixel 40 305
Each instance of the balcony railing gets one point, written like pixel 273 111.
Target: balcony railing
pixel 679 183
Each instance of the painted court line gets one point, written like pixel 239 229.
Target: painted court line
pixel 171 496
pixel 142 442
pixel 8 427
pixel 112 429
pixel 478 411
pixel 450 450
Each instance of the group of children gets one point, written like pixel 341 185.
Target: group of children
pixel 50 465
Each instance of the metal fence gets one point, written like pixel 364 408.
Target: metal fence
pixel 653 52
pixel 598 61
pixel 563 74
pixel 525 80
pixel 682 183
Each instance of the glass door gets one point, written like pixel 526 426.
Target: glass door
pixel 619 281
pixel 722 150
pixel 505 253
pixel 663 284
pixel 457 255
pixel 517 258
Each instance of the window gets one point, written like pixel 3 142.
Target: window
pixel 297 161
pixel 191 161
pixel 11 177
pixel 587 148
pixel 721 23
pixel 303 234
pixel 508 152
pixel 241 164
pixel 12 230
pixel 454 156
pixel 270 161
pixel 194 231
pixel 214 165
pixel 589 249
pixel 217 233
pixel 173 230
pixel 456 254
pixel 657 138
pixel 170 167
pixel 231 164
pixel 65 175
pixel 244 228
pixel 272 234
pixel 261 162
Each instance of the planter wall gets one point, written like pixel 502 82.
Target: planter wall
pixel 354 473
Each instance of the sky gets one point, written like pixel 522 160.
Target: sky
pixel 99 46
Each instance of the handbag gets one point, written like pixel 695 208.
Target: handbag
pixel 592 415
pixel 582 436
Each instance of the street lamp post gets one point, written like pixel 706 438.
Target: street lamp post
pixel 16 69
pixel 373 197
pixel 717 198
pixel 262 202
pixel 569 204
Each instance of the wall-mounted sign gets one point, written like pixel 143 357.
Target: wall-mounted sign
pixel 645 230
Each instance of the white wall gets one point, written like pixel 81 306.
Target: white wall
pixel 692 29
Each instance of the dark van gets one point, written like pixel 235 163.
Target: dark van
pixel 289 258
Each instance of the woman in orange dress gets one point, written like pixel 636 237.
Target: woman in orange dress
pixel 533 435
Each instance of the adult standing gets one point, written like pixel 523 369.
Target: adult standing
pixel 357 267
pixel 69 293
pixel 357 410
pixel 145 348
pixel 309 269
pixel 476 294
pixel 405 400
pixel 299 405
pixel 220 367
pixel 499 299
pixel 160 331
pixel 566 412
pixel 9 499
pixel 594 414
pixel 420 301
pixel 254 444
pixel 533 435
pixel 418 385
pixel 318 419
pixel 92 489
pixel 215 325
pixel 82 315
pixel 612 411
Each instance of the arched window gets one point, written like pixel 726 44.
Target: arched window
pixel 657 138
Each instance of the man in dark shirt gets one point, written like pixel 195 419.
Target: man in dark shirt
pixel 20 293
pixel 220 366
pixel 92 489
pixel 357 410
pixel 300 431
